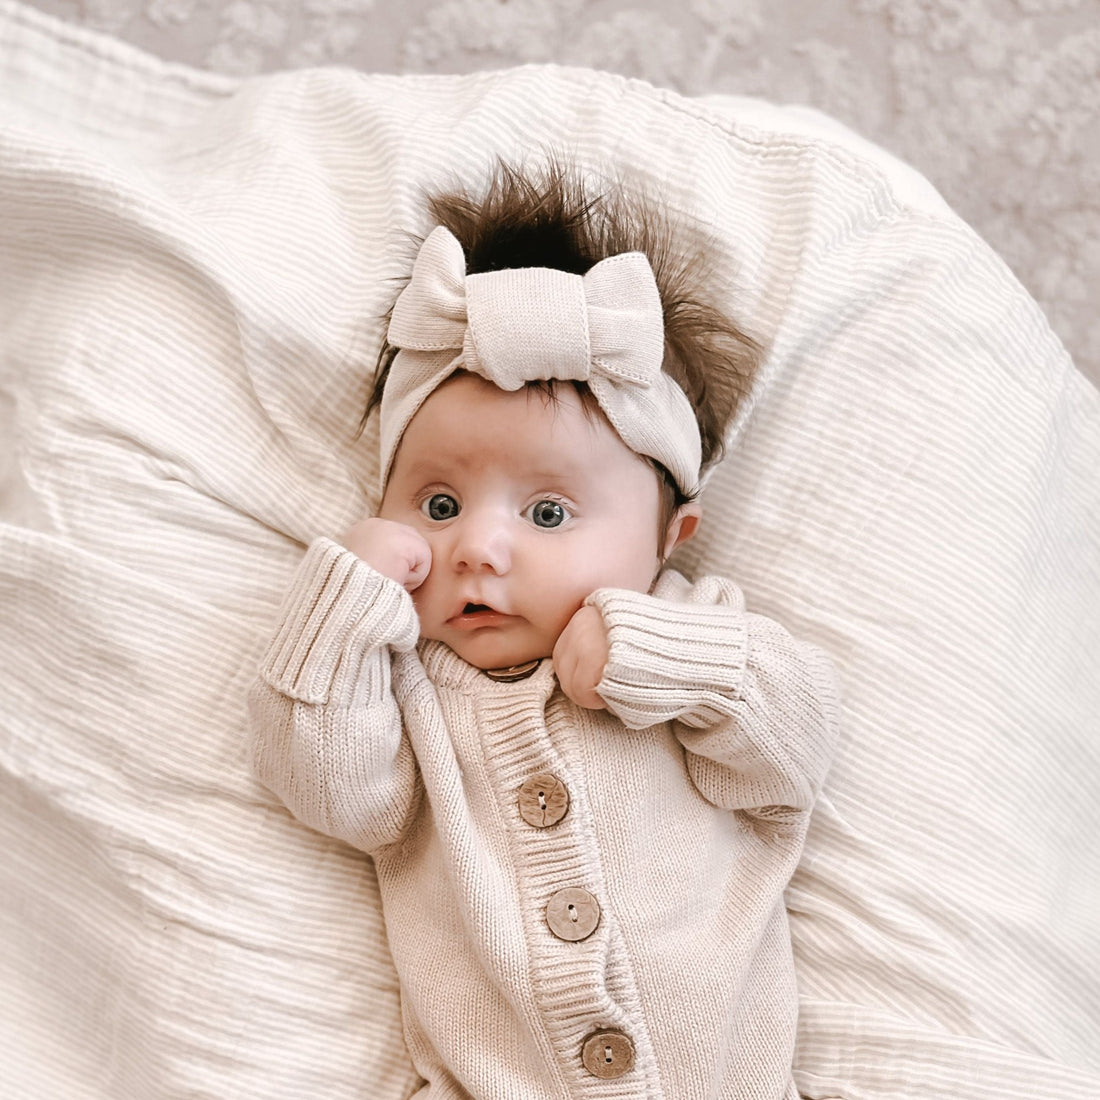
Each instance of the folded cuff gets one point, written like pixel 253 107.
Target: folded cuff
pixel 336 609
pixel 668 660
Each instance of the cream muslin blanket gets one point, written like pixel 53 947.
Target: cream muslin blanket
pixel 193 273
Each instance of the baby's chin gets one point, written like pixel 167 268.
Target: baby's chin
pixel 491 654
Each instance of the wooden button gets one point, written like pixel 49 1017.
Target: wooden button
pixel 543 800
pixel 572 914
pixel 513 673
pixel 608 1054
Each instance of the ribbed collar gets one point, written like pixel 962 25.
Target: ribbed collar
pixel 446 668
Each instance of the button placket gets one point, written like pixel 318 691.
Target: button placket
pixel 570 913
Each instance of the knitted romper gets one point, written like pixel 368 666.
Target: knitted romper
pixel 580 903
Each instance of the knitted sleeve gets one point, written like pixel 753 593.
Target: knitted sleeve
pixel 326 732
pixel 756 710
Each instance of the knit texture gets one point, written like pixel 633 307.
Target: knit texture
pixel 689 802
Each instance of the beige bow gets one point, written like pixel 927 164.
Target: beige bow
pixel 521 324
pixel 526 324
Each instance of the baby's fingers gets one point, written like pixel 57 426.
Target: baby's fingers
pixel 420 565
pixel 583 692
pixel 580 656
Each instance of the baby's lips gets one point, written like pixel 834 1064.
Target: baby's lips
pixel 470 600
pixel 476 607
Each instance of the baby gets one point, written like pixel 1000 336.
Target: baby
pixel 584 780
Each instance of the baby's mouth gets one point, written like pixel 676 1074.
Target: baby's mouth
pixel 475 615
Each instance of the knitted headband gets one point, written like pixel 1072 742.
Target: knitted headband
pixel 526 324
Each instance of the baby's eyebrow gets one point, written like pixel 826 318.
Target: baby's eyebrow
pixel 440 466
pixel 434 466
pixel 558 473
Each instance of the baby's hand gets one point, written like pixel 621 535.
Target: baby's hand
pixel 580 656
pixel 394 549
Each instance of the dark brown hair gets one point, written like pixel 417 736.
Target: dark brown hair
pixel 548 218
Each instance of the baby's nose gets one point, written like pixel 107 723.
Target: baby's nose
pixel 482 543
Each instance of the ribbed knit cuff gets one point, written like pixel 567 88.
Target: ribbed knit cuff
pixel 667 659
pixel 336 609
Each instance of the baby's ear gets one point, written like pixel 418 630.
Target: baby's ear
pixel 684 524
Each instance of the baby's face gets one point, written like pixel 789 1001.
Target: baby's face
pixel 528 507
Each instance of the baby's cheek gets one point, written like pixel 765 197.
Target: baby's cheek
pixel 566 608
pixel 426 609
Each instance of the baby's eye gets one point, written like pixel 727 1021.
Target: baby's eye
pixel 547 513
pixel 440 506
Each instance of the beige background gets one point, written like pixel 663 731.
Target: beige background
pixel 996 101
